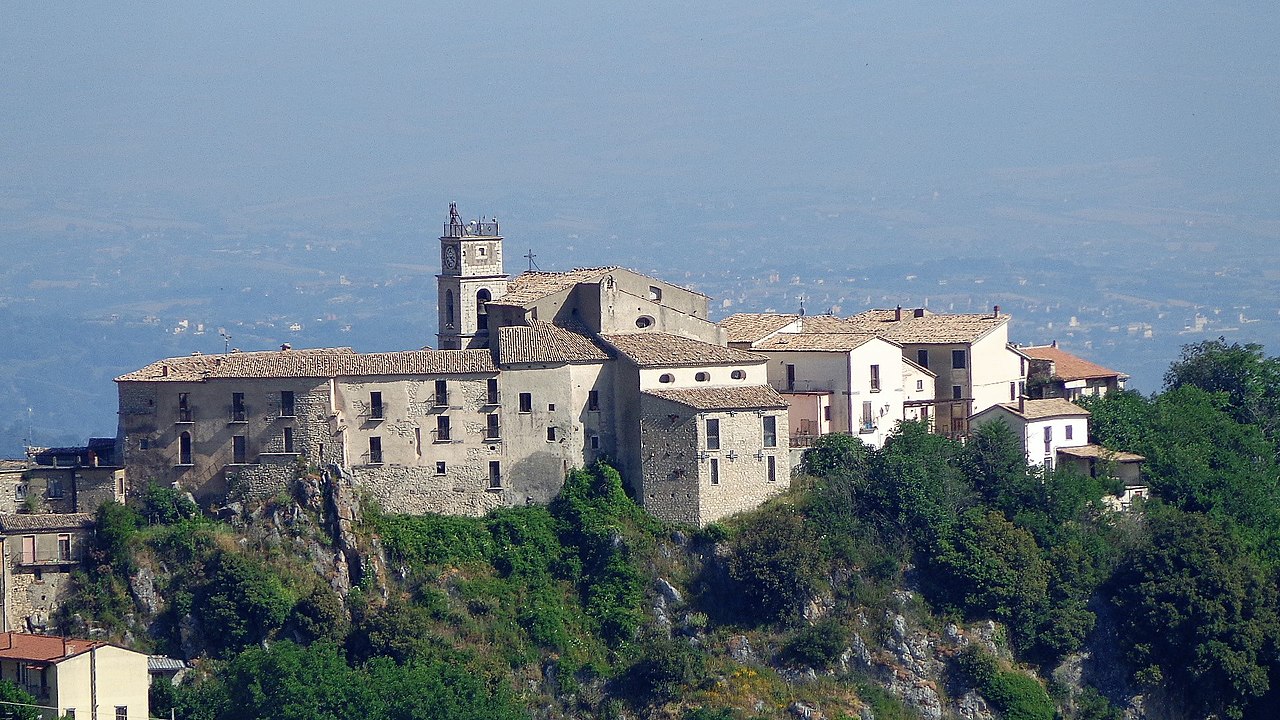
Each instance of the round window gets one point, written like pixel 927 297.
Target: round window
pixel 738 374
pixel 702 377
pixel 666 378
pixel 644 321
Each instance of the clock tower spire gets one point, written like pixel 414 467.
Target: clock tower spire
pixel 470 276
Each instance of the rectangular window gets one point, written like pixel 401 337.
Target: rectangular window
pixel 375 405
pixel 442 393
pixel 55 488
pixel 239 449
pixel 70 714
pixel 593 400
pixel 526 402
pixel 919 385
pixel 286 403
pixel 122 712
pixel 440 467
pixel 64 547
pixel 958 360
pixel 713 434
pixel 655 293
pixel 492 393
pixel 184 407
pixel 1070 431
pixel 237 407
pixel 867 425
pixel 551 434
pixel 875 378
pixel 773 468
pixel 1013 391
pixel 957 392
pixel 28 549
pixel 495 475
pixel 551 407
pixel 442 428
pixel 1048 462
pixel 791 378
pixel 826 413
pixel 770 431
pixel 715 471
pixel 491 430
pixel 375 450
pixel 595 442
pixel 288 439
pixel 1048 433
pixel 922 358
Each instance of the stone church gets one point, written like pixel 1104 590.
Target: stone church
pixel 536 374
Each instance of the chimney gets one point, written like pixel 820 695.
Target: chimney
pixel 1053 344
pixel 918 312
pixel 995 311
pixel 897 314
pixel 164 371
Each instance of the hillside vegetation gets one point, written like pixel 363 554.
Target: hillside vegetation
pixel 928 578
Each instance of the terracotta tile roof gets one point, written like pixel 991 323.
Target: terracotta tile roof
pixel 42 648
pixel 663 350
pixel 750 327
pixel 14 465
pixel 313 363
pixel 829 342
pixel 1097 451
pixel 534 285
pixel 1067 366
pixel 1040 409
pixel 828 324
pixel 929 328
pixel 26 522
pixel 544 342
pixel 750 397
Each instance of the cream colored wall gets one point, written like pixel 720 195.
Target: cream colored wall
pixel 1032 432
pixel 720 376
pixel 122 679
pixel 994 368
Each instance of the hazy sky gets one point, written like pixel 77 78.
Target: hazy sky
pixel 209 104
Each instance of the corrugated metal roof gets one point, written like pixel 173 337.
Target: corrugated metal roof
pixel 664 350
pixel 750 397
pixel 313 363
pixel 543 342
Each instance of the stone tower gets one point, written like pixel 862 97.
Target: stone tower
pixel 470 276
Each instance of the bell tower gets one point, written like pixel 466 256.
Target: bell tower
pixel 470 276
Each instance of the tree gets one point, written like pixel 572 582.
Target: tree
pixel 16 704
pixel 240 603
pixel 836 454
pixel 775 562
pixel 1198 615
pixel 1249 378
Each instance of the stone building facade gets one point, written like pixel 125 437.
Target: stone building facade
pixel 38 553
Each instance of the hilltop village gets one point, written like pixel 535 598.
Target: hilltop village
pixel 537 374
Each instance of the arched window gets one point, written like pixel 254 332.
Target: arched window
pixel 702 377
pixel 666 378
pixel 738 374
pixel 184 449
pixel 448 308
pixel 482 314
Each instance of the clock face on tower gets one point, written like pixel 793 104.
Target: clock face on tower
pixel 450 258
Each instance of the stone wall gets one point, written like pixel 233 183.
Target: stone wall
pixel 677 484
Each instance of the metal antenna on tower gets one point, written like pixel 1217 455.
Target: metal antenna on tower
pixel 801 298
pixel 530 256
pixel 226 340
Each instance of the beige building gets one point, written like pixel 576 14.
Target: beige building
pixel 1044 426
pixel 77 678
pixel 40 551
pixel 974 365
pixel 835 375
pixel 540 373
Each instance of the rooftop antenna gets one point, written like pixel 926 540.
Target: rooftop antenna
pixel 29 442
pixel 226 340
pixel 801 298
pixel 532 265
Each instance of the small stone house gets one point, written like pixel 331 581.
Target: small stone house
pixel 38 553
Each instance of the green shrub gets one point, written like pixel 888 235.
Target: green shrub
pixel 775 562
pixel 820 644
pixel 165 506
pixel 666 670
pixel 1019 697
pixel 419 540
pixel 23 707
pixel 241 602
